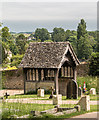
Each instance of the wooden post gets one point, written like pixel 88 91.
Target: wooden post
pixel 74 73
pixel 24 78
pixel 56 81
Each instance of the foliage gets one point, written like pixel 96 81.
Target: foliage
pixel 5 34
pixel 97 41
pixel 5 48
pixel 42 34
pixel 91 82
pixel 81 30
pixel 94 64
pixel 11 68
pixel 48 41
pixel 21 42
pixel 16 59
pixel 58 35
pixel 13 48
pixel 84 48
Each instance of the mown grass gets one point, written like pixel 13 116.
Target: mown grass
pixel 21 109
pixel 46 97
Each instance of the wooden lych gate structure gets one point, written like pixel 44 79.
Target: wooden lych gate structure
pixel 51 62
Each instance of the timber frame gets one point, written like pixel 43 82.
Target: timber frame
pixel 44 62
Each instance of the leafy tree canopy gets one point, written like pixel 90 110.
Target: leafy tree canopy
pixel 58 35
pixel 42 34
pixel 94 64
pixel 81 30
pixel 5 34
pixel 21 42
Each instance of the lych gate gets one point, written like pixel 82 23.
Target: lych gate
pixel 46 64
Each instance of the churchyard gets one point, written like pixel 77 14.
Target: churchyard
pixel 50 85
pixel 23 106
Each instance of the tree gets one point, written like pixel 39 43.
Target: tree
pixel 94 64
pixel 5 48
pixel 81 30
pixel 58 35
pixel 42 34
pixel 13 48
pixel 21 42
pixel 5 34
pixel 97 49
pixel 84 48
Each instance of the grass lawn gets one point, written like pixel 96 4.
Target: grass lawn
pixel 46 97
pixel 21 109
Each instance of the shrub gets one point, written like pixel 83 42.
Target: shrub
pixel 94 64
pixel 91 82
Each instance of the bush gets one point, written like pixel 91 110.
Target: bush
pixel 94 64
pixel 91 82
pixel 16 59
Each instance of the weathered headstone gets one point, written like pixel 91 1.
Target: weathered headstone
pixel 57 99
pixel 79 92
pixel 93 91
pixel 40 93
pixel 84 102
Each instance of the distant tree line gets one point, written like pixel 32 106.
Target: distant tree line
pixel 85 43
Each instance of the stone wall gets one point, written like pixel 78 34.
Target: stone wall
pixel 82 69
pixel 30 86
pixel 13 79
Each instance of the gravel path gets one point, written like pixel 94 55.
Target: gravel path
pixel 88 115
pixel 11 92
pixel 31 100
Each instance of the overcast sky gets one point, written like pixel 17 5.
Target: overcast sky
pixel 27 16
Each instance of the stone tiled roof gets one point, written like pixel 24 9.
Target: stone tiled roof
pixel 46 54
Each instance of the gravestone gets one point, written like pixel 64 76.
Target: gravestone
pixel 84 102
pixel 79 92
pixel 57 99
pixel 93 91
pixel 40 93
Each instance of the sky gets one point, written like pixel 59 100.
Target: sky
pixel 26 16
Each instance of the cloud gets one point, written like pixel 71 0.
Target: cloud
pixel 48 11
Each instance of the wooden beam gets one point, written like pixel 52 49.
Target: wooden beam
pixel 74 73
pixel 56 81
pixel 24 78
